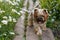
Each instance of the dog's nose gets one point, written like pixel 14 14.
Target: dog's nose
pixel 40 18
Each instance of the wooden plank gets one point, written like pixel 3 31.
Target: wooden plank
pixel 19 28
pixel 30 35
pixel 48 35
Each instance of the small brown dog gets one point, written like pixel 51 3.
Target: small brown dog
pixel 38 19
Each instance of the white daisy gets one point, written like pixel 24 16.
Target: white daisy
pixel 10 18
pixel 4 34
pixel 4 17
pixel 12 33
pixel 4 22
pixel 2 11
pixel 13 10
pixel 52 20
pixel 18 13
pixel 15 3
pixel 22 12
pixel 14 20
pixel 10 2
pixel 1 0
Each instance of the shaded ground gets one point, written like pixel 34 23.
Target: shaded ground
pixel 19 29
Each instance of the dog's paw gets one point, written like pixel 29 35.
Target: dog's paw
pixel 44 29
pixel 39 32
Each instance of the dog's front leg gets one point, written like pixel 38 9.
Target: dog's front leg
pixel 37 29
pixel 44 28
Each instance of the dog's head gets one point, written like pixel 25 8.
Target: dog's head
pixel 40 15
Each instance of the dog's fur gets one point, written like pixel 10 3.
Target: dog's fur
pixel 38 19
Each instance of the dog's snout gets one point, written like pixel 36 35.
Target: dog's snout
pixel 40 19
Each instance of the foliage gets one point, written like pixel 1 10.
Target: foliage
pixel 53 7
pixel 9 13
pixel 25 24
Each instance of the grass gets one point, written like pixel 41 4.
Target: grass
pixel 9 15
pixel 25 24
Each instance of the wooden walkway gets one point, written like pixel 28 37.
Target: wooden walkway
pixel 30 35
pixel 19 29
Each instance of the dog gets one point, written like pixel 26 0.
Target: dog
pixel 38 19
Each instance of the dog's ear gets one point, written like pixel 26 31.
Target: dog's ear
pixel 35 12
pixel 46 14
pixel 45 11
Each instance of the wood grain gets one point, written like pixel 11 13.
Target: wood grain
pixel 30 35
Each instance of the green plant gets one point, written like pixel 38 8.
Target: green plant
pixel 53 7
pixel 9 14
